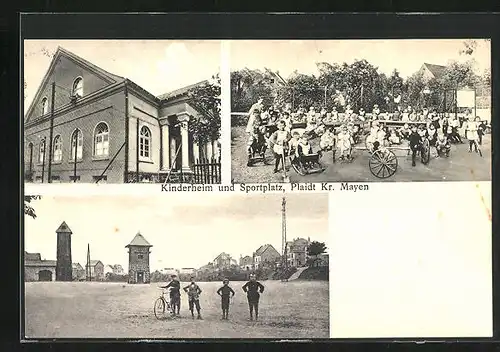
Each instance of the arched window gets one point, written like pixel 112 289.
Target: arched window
pixel 45 106
pixel 101 140
pixel 78 87
pixel 41 151
pixel 76 143
pixel 57 153
pixel 30 154
pixel 145 143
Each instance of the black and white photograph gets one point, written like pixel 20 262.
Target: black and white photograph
pixel 184 266
pixel 360 110
pixel 122 111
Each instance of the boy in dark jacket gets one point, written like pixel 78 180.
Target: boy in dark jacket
pixel 415 141
pixel 193 291
pixel 226 293
pixel 175 294
pixel 253 288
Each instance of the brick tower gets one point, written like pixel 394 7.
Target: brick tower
pixel 138 260
pixel 64 270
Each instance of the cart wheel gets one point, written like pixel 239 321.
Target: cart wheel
pixel 299 169
pixel 159 308
pixel 383 164
pixel 425 153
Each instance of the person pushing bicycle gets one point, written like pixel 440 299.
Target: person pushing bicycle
pixel 175 294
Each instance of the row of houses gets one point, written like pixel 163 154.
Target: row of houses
pixel 267 255
pixel 38 269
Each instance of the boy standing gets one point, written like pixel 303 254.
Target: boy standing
pixel 415 141
pixel 175 294
pixel 193 291
pixel 253 288
pixel 225 292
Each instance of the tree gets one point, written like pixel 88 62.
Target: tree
pixel 314 249
pixel 205 98
pixel 247 86
pixel 302 90
pixel 28 209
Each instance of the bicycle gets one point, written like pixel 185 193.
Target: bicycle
pixel 162 307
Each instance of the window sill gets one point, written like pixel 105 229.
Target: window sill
pixel 100 158
pixel 54 162
pixel 72 161
pixel 146 161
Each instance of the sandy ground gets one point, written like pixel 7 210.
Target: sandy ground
pixel 298 309
pixel 460 166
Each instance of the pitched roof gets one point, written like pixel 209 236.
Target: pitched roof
pixel 32 256
pixel 95 262
pixel 44 263
pixel 77 266
pixel 139 241
pixel 64 228
pixel 436 70
pixel 112 78
pixel 180 91
pixel 263 249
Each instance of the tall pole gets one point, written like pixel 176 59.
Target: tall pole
pixel 89 273
pixel 51 133
pixel 283 230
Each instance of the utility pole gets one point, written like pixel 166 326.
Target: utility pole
pixel 51 133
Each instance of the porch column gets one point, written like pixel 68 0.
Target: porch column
pixel 165 157
pixel 184 119
pixel 196 151
pixel 209 151
pixel 215 149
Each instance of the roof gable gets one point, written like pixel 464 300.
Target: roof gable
pixel 436 70
pixel 138 241
pixel 95 262
pixel 44 87
pixel 32 256
pixel 64 228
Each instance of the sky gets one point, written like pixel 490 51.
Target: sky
pixel 407 56
pixel 159 66
pixel 186 230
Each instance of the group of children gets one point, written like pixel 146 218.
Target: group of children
pixel 441 131
pixel 252 288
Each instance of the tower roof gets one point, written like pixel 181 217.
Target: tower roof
pixel 64 228
pixel 138 241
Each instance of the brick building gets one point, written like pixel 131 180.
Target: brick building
pixel 223 261
pixel 246 262
pixel 64 267
pixel 38 269
pixel 138 264
pixel 85 122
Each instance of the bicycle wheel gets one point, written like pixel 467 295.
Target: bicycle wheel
pixel 159 308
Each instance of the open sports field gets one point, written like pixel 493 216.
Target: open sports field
pixel 296 309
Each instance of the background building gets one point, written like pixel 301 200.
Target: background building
pixel 38 269
pixel 138 265
pixel 85 122
pixel 265 255
pixel 297 252
pixel 96 270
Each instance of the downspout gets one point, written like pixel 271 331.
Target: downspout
pixel 127 122
pixel 51 133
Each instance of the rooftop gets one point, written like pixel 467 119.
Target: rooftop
pixel 138 241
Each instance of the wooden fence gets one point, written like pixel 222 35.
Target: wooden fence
pixel 207 171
